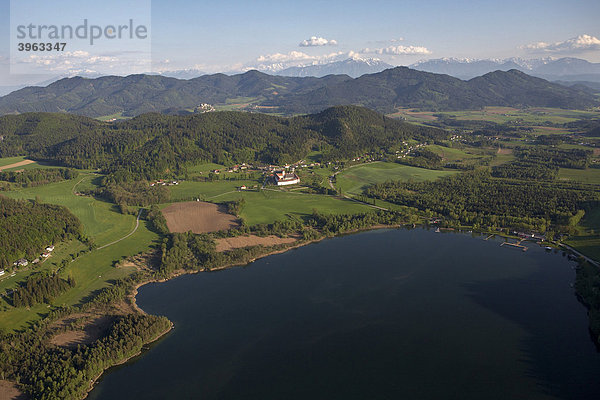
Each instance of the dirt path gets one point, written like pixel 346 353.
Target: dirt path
pixel 10 391
pixel 17 164
pixel 137 224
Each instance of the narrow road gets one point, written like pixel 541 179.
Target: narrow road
pixel 137 224
pixel 593 262
pixel 75 185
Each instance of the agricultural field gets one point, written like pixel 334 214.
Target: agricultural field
pixel 537 117
pixel 212 191
pixel 587 240
pixel 115 116
pixel 464 154
pixel 355 179
pixel 589 175
pixel 237 103
pixel 198 217
pixel 116 235
pixel 269 205
pixel 203 168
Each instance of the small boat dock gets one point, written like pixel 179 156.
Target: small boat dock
pixel 517 245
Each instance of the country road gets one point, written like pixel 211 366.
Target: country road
pixel 137 224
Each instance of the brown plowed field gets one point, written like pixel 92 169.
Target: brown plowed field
pixel 237 242
pixel 198 217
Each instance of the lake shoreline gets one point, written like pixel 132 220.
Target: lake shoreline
pixel 133 293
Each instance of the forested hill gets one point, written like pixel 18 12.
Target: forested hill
pixel 405 87
pixel 137 94
pixel 383 91
pixel 151 145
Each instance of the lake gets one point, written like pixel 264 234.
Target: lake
pixel 384 314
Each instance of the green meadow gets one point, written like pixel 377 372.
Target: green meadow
pixel 93 270
pixel 538 118
pixel 355 179
pixel 587 240
pixel 589 175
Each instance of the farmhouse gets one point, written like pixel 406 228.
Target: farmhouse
pixel 50 248
pixel 283 178
pixel 21 262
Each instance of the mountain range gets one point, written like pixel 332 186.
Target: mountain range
pixel 353 67
pixel 563 69
pixel 383 91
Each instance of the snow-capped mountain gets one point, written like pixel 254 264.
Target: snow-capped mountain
pixel 565 69
pixel 353 67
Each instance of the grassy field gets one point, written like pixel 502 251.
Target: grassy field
pixel 589 175
pixel 354 180
pixel 501 115
pixel 270 205
pixel 212 191
pixel 587 241
pixel 93 270
pixel 117 116
pixel 203 168
pixel 453 154
pixel 101 220
pixel 10 160
pixel 267 205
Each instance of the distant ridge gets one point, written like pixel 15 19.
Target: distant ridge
pixel 565 69
pixel 383 91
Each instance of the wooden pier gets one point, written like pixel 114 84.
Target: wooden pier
pixel 518 245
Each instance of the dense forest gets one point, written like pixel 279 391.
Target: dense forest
pixel 476 199
pixel 38 176
pixel 50 373
pixel 27 227
pixel 41 288
pixel 155 146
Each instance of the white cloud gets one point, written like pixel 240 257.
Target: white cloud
pixel 397 50
pixel 317 41
pixel 577 44
pixel 278 61
pixel 280 57
pixel 82 62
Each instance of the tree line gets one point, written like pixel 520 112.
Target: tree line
pixel 27 227
pixel 477 199
pixel 41 288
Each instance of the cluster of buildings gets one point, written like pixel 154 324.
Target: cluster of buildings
pixel 23 262
pixel 160 182
pixel 204 107
pixel 408 150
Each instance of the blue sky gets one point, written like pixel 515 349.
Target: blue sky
pixel 238 35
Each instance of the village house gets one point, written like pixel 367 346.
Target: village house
pixel 21 263
pixel 50 248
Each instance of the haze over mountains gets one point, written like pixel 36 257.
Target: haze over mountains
pixel 353 67
pixel 563 69
pixel 383 91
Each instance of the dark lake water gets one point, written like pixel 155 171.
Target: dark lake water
pixel 388 314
